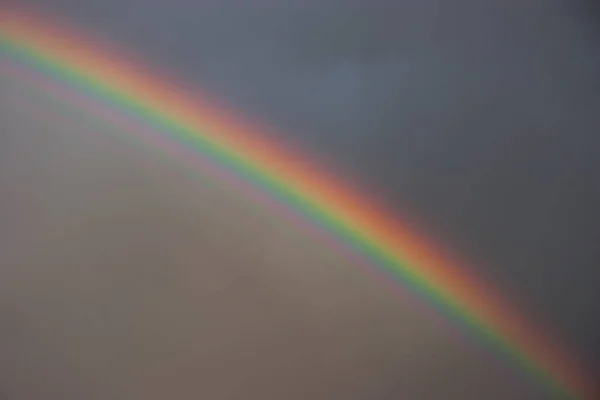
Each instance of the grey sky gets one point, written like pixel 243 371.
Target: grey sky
pixel 478 117
pixel 125 277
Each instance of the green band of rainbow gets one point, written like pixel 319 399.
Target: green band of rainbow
pixel 46 48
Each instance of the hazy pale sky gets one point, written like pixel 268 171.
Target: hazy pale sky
pixel 126 277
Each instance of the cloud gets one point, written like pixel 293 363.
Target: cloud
pixel 479 117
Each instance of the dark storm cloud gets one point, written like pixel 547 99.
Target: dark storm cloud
pixel 480 117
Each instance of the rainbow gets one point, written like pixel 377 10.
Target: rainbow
pixel 53 57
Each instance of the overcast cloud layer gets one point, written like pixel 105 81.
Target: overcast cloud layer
pixel 481 118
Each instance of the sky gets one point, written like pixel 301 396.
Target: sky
pixel 478 118
pixel 125 276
